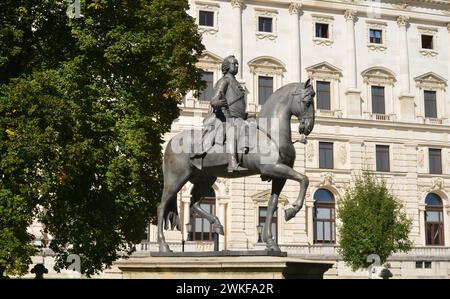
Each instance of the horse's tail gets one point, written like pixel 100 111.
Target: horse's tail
pixel 177 169
pixel 171 213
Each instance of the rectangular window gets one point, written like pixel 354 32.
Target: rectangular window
pixel 435 161
pixel 435 234
pixel 323 95
pixel 265 89
pixel 378 100
pixel 322 30
pixel 382 157
pixel 207 93
pixel 324 223
pixel 206 18
pixel 430 103
pixel 326 155
pixel 262 216
pixel 264 24
pixel 376 36
pixel 423 265
pixel 201 229
pixel 427 41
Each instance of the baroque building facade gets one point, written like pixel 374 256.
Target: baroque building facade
pixel 380 70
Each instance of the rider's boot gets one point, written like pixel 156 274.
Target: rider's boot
pixel 232 162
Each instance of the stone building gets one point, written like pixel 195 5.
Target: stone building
pixel 380 70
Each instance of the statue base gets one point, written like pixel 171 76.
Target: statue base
pixel 217 265
pixel 221 253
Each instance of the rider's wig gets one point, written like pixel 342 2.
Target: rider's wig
pixel 226 64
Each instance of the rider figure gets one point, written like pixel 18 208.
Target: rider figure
pixel 228 98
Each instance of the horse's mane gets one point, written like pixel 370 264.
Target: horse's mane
pixel 269 108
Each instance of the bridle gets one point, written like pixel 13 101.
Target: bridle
pixel 305 100
pixel 307 93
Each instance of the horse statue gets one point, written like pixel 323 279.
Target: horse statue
pixel 273 140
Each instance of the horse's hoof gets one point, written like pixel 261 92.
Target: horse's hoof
pixel 273 247
pixel 164 248
pixel 218 229
pixel 289 214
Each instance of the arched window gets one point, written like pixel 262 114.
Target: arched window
pixel 324 217
pixel 434 220
pixel 201 228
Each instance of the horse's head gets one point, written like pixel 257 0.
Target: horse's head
pixel 303 107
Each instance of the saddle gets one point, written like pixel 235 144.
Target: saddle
pixel 214 138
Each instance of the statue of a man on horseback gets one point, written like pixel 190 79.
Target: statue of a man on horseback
pixel 228 102
pixel 272 132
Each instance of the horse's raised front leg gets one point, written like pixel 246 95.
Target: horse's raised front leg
pixel 200 188
pixel 283 171
pixel 267 235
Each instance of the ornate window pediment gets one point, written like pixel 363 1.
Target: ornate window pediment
pixel 324 71
pixel 431 81
pixel 378 76
pixel 431 105
pixel 327 98
pixel 209 61
pixel 327 179
pixel 379 84
pixel 264 196
pixel 266 66
pixel 437 184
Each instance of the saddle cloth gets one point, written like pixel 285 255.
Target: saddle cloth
pixel 214 138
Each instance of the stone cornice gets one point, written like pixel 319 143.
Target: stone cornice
pixel 400 126
pixel 392 10
pixel 351 122
pixel 403 5
pixel 434 1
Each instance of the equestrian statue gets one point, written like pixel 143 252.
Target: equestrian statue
pixel 233 145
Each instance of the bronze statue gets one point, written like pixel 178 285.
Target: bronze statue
pixel 228 99
pixel 272 155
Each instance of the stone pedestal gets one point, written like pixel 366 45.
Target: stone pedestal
pixel 221 267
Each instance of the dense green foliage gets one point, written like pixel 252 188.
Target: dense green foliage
pixel 372 223
pixel 84 105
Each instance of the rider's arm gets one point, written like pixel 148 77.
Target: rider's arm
pixel 218 100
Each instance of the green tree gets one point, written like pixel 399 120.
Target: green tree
pixel 34 34
pixel 15 242
pixel 372 223
pixel 82 131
